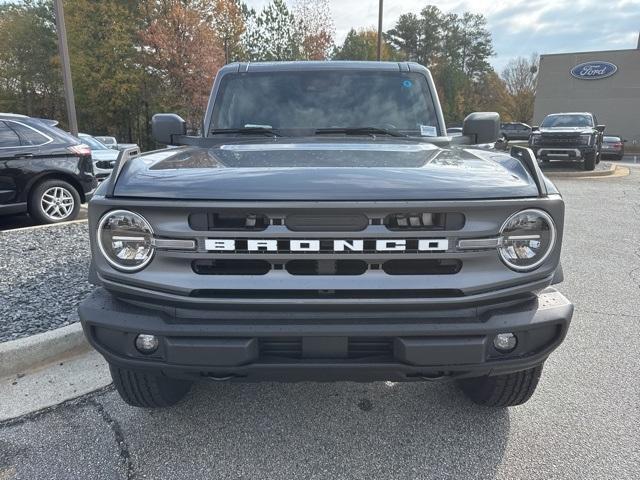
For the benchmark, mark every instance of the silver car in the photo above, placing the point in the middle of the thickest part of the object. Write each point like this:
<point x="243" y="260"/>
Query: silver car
<point x="104" y="158"/>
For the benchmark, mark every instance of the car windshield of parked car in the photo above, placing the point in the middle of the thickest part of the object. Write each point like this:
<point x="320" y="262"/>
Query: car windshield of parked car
<point x="93" y="143"/>
<point x="611" y="139"/>
<point x="312" y="100"/>
<point x="556" y="121"/>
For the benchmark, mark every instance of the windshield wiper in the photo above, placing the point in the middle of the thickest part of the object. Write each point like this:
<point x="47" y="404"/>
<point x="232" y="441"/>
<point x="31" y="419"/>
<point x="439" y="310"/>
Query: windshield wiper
<point x="246" y="131"/>
<point x="360" y="131"/>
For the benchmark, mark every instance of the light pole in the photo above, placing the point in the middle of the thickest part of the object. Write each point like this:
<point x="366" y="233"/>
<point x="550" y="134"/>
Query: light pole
<point x="380" y="30"/>
<point x="66" y="67"/>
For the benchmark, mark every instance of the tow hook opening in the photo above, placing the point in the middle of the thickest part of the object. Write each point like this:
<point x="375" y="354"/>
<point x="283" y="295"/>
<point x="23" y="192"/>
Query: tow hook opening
<point x="432" y="376"/>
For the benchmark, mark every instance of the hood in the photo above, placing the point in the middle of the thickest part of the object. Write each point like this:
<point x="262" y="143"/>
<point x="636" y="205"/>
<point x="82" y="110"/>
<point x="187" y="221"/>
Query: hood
<point x="284" y="169"/>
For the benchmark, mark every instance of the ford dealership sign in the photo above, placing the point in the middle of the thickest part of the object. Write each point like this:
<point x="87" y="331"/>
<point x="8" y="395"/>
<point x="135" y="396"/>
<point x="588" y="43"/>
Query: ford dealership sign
<point x="594" y="70"/>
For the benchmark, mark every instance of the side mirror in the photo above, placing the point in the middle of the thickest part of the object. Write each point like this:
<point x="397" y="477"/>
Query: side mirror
<point x="601" y="128"/>
<point x="535" y="128"/>
<point x="482" y="127"/>
<point x="164" y="126"/>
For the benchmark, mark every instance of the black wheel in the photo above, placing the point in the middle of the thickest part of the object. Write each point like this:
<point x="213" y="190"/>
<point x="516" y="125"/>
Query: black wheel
<point x="142" y="389"/>
<point x="590" y="161"/>
<point x="54" y="201"/>
<point x="502" y="390"/>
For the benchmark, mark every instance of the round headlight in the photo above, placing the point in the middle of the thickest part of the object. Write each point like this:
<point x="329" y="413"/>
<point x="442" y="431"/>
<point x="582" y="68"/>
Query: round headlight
<point x="125" y="240"/>
<point x="527" y="239"/>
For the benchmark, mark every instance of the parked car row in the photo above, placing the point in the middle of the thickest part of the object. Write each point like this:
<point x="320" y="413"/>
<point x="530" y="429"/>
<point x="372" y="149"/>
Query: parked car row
<point x="47" y="172"/>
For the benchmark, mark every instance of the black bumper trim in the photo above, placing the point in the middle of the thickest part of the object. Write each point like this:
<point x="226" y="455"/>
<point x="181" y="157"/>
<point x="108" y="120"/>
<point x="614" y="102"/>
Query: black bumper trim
<point x="421" y="348"/>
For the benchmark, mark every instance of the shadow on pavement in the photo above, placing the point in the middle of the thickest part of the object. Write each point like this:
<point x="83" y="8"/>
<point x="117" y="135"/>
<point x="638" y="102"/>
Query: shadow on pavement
<point x="344" y="430"/>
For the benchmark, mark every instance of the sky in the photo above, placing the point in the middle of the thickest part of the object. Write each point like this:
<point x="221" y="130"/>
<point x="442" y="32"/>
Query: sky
<point x="518" y="27"/>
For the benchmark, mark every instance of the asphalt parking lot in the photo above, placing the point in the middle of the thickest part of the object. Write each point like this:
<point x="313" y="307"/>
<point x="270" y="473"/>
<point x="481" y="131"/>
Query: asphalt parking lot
<point x="583" y="422"/>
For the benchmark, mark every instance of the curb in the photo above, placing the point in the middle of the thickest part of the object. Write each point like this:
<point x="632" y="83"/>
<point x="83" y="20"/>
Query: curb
<point x="17" y="356"/>
<point x="583" y="174"/>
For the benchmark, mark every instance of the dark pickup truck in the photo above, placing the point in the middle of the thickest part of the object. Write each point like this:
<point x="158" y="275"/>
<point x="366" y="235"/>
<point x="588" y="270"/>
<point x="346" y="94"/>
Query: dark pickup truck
<point x="569" y="136"/>
<point x="324" y="227"/>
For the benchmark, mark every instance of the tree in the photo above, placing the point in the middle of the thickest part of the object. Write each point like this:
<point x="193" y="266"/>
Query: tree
<point x="362" y="45"/>
<point x="316" y="30"/>
<point x="406" y="37"/>
<point x="228" y="22"/>
<point x="272" y="34"/>
<point x="521" y="79"/>
<point x="30" y="79"/>
<point x="184" y="53"/>
<point x="105" y="66"/>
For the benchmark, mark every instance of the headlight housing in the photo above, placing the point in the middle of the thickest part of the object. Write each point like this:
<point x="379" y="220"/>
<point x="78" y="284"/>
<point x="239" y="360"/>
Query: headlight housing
<point x="126" y="240"/>
<point x="586" y="139"/>
<point x="527" y="238"/>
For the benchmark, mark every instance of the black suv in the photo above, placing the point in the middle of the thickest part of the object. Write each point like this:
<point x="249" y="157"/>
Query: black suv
<point x="43" y="170"/>
<point x="568" y="136"/>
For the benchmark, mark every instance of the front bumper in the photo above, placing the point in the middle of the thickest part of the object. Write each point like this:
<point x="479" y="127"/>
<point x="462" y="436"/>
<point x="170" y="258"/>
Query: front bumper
<point x="572" y="153"/>
<point x="356" y="346"/>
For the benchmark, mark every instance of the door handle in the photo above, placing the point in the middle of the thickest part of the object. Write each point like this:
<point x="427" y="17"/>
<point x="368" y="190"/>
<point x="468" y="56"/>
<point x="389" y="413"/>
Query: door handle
<point x="23" y="155"/>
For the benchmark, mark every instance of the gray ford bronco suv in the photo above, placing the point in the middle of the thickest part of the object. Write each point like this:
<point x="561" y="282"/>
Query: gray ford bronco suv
<point x="323" y="227"/>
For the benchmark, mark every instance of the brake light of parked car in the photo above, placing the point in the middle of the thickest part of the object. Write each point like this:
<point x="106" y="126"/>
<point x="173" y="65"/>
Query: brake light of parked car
<point x="80" y="150"/>
<point x="617" y="145"/>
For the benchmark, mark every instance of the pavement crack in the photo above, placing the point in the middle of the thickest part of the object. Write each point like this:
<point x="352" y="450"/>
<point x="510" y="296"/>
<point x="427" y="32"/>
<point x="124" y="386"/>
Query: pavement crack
<point x="118" y="434"/>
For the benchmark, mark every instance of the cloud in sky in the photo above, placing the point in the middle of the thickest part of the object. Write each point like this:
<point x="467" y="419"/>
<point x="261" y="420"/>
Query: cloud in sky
<point x="519" y="27"/>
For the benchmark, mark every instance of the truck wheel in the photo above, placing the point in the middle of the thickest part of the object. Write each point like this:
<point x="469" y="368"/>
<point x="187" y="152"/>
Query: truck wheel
<point x="590" y="161"/>
<point x="141" y="389"/>
<point x="502" y="390"/>
<point x="54" y="201"/>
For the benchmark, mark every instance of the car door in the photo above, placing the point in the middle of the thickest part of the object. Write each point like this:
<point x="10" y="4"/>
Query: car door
<point x="20" y="147"/>
<point x="9" y="141"/>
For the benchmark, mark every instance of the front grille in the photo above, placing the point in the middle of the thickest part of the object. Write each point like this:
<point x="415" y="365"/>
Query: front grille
<point x="559" y="141"/>
<point x="357" y="347"/>
<point x="326" y="267"/>
<point x="105" y="164"/>
<point x="212" y="221"/>
<point x="326" y="222"/>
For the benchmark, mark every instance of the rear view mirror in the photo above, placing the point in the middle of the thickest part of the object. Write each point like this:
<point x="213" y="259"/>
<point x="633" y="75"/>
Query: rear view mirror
<point x="164" y="126"/>
<point x="535" y="128"/>
<point x="482" y="127"/>
<point x="601" y="128"/>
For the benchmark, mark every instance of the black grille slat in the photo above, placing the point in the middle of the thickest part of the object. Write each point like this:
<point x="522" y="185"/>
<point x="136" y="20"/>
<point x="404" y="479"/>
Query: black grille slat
<point x="358" y="347"/>
<point x="327" y="294"/>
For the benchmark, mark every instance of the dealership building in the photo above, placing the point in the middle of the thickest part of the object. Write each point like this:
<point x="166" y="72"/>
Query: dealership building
<point x="606" y="83"/>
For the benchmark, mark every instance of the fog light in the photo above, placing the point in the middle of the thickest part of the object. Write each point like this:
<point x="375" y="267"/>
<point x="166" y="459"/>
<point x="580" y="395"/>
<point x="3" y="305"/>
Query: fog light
<point x="146" y="343"/>
<point x="505" y="342"/>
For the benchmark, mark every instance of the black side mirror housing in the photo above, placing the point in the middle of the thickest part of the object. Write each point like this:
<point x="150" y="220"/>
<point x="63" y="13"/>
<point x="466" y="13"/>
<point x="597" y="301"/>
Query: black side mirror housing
<point x="482" y="127"/>
<point x="535" y="128"/>
<point x="601" y="128"/>
<point x="164" y="126"/>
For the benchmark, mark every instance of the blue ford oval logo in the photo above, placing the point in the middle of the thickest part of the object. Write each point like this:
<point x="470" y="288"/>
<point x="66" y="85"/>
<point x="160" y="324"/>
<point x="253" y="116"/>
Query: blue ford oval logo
<point x="593" y="70"/>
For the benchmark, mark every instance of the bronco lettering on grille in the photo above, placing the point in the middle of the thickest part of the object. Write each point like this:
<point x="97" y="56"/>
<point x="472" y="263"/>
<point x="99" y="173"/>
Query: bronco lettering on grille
<point x="316" y="245"/>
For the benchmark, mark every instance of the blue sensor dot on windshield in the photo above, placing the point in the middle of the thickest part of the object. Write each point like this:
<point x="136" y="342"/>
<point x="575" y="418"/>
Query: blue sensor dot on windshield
<point x="407" y="84"/>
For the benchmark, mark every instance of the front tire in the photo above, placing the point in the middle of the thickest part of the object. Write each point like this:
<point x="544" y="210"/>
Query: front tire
<point x="506" y="390"/>
<point x="54" y="201"/>
<point x="146" y="390"/>
<point x="590" y="162"/>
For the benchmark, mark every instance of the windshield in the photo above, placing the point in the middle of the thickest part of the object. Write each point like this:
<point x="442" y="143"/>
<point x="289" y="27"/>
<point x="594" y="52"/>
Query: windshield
<point x="555" y="121"/>
<point x="611" y="139"/>
<point x="92" y="142"/>
<point x="312" y="100"/>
